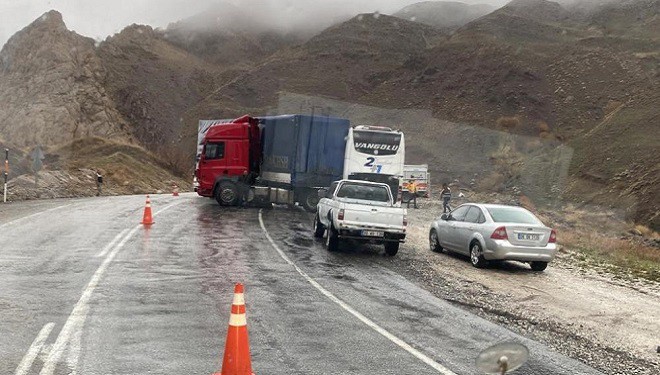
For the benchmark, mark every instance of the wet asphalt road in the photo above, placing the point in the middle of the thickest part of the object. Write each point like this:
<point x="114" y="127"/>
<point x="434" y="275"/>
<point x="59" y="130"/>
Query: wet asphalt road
<point x="85" y="289"/>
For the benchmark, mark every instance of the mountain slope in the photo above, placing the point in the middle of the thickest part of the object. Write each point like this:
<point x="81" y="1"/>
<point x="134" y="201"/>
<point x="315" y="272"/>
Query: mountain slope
<point x="153" y="83"/>
<point x="52" y="87"/>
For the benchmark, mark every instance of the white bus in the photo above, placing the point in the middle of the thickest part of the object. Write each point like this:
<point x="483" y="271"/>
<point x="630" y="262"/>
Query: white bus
<point x="375" y="153"/>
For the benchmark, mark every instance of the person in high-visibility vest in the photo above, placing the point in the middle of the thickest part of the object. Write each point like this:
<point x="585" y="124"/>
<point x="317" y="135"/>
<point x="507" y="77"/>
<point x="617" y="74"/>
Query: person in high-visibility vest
<point x="412" y="189"/>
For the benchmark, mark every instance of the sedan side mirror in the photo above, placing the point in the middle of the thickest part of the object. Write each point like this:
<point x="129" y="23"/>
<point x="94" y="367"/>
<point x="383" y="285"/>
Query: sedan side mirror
<point x="323" y="193"/>
<point x="446" y="217"/>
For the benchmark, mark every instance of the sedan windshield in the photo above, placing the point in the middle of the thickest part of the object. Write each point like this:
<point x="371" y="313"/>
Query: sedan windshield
<point x="364" y="192"/>
<point x="512" y="215"/>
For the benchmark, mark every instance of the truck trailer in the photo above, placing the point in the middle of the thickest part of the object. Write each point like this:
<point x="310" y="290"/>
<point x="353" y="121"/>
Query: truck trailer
<point x="273" y="159"/>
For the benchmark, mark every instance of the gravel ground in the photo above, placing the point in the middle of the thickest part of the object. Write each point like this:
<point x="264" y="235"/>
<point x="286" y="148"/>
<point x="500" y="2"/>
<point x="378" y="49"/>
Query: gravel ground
<point x="604" y="321"/>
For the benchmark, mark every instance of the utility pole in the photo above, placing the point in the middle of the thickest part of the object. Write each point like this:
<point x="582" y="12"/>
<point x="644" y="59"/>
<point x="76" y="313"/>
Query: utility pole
<point x="6" y="173"/>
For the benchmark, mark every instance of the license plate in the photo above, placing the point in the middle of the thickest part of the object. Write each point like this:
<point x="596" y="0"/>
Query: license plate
<point x="372" y="233"/>
<point x="530" y="237"/>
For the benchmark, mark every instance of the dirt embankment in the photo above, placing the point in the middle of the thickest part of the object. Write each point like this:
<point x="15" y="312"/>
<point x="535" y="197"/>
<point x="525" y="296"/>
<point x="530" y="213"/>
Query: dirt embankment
<point x="608" y="320"/>
<point x="70" y="171"/>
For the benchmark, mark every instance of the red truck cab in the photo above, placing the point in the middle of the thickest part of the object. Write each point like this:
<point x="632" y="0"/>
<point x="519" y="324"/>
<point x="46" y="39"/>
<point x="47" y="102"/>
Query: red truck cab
<point x="231" y="153"/>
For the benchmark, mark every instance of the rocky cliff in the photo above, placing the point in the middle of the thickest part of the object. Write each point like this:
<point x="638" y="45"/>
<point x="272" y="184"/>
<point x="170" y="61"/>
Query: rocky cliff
<point x="52" y="87"/>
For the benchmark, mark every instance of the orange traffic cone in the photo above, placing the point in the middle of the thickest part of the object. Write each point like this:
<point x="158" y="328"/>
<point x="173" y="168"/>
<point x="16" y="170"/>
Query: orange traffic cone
<point x="175" y="190"/>
<point x="237" y="348"/>
<point x="147" y="219"/>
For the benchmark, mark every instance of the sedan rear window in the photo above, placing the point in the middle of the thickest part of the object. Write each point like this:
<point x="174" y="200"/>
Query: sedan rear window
<point x="512" y="215"/>
<point x="364" y="192"/>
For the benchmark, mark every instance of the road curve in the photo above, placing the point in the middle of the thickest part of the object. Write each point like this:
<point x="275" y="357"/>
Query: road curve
<point x="87" y="290"/>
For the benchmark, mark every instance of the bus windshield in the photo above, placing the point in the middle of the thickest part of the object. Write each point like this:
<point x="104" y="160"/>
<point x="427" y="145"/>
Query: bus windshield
<point x="376" y="143"/>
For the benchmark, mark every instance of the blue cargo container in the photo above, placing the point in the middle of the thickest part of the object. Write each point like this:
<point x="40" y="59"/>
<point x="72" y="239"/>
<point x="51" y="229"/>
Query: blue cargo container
<point x="302" y="152"/>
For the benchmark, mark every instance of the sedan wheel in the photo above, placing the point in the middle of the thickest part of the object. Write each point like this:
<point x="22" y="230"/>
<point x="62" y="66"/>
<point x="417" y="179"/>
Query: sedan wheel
<point x="476" y="255"/>
<point x="434" y="242"/>
<point x="539" y="266"/>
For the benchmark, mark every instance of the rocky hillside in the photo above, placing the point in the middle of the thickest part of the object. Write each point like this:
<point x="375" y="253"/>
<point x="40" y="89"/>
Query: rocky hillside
<point x="447" y="15"/>
<point x="58" y="90"/>
<point x="152" y="84"/>
<point x="52" y="87"/>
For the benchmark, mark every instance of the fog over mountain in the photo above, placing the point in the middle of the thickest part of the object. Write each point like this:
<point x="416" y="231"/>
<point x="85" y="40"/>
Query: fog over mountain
<point x="100" y="18"/>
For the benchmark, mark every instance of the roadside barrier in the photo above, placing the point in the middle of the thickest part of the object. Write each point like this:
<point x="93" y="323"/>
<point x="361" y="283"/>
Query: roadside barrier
<point x="237" y="360"/>
<point x="147" y="219"/>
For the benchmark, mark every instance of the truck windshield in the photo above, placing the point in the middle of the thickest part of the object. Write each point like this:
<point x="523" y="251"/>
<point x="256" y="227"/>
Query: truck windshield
<point x="364" y="192"/>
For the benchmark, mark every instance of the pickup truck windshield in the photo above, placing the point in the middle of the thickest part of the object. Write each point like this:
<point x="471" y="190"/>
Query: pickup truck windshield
<point x="364" y="192"/>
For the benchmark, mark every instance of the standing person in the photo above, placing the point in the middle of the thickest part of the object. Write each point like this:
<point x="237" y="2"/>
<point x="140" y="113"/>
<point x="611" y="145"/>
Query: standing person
<point x="412" y="189"/>
<point x="99" y="182"/>
<point x="446" y="197"/>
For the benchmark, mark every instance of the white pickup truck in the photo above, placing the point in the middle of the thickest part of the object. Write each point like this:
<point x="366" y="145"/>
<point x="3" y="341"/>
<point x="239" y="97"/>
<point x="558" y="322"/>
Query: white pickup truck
<point x="362" y="211"/>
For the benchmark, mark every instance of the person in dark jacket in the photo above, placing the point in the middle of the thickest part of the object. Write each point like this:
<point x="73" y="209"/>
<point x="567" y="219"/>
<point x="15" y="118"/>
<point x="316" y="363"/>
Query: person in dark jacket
<point x="446" y="197"/>
<point x="99" y="183"/>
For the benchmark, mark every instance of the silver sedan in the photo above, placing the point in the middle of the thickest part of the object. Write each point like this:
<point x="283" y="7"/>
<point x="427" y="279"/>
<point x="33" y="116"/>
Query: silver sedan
<point x="494" y="232"/>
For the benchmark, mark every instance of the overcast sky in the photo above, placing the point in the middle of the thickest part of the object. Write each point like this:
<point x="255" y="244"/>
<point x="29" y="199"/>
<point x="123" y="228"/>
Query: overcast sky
<point x="100" y="18"/>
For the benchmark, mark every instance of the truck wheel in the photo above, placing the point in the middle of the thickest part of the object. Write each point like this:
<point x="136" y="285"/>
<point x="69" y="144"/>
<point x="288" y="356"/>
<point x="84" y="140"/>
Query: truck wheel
<point x="310" y="200"/>
<point x="332" y="239"/>
<point x="391" y="248"/>
<point x="226" y="193"/>
<point x="319" y="229"/>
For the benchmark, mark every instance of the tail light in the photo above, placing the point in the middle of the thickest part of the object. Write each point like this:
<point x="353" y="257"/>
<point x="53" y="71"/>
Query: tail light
<point x="341" y="215"/>
<point x="405" y="220"/>
<point x="553" y="236"/>
<point x="499" y="234"/>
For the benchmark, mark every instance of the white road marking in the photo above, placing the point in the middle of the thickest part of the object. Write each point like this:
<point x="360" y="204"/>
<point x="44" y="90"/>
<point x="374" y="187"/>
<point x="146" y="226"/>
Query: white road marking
<point x="111" y="244"/>
<point x="34" y="350"/>
<point x="370" y="323"/>
<point x="77" y="318"/>
<point x="33" y="215"/>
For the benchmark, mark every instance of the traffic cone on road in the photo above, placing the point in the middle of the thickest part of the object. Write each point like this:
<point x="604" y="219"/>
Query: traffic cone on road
<point x="237" y="348"/>
<point x="146" y="218"/>
<point x="175" y="190"/>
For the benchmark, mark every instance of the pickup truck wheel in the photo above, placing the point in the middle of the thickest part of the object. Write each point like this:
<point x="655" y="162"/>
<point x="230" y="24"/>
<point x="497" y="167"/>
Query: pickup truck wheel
<point x="332" y="240"/>
<point x="226" y="193"/>
<point x="391" y="248"/>
<point x="539" y="266"/>
<point x="434" y="242"/>
<point x="319" y="229"/>
<point x="477" y="255"/>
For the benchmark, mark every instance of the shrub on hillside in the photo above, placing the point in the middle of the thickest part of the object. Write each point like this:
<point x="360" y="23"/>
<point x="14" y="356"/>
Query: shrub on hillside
<point x="508" y="123"/>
